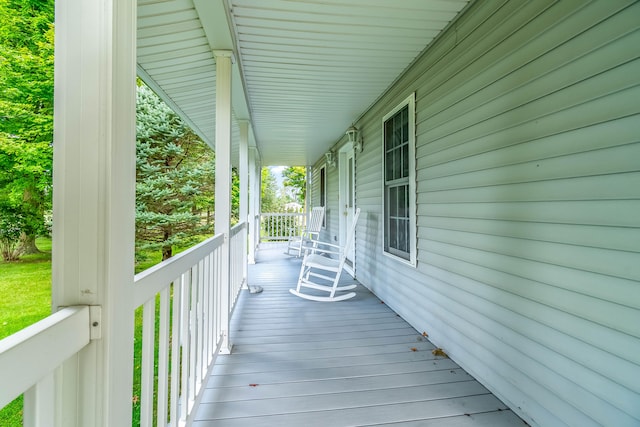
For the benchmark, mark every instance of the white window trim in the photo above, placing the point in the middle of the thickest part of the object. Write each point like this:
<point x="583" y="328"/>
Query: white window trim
<point x="413" y="242"/>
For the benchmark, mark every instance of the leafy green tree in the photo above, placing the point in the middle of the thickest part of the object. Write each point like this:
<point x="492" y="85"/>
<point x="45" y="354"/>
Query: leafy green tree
<point x="26" y="114"/>
<point x="235" y="197"/>
<point x="175" y="178"/>
<point x="269" y="198"/>
<point x="11" y="224"/>
<point x="295" y="178"/>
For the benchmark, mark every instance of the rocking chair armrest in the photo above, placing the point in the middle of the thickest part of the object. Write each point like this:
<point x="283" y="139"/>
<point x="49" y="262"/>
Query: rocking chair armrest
<point x="331" y="245"/>
<point x="316" y="246"/>
<point x="304" y="235"/>
<point x="323" y="251"/>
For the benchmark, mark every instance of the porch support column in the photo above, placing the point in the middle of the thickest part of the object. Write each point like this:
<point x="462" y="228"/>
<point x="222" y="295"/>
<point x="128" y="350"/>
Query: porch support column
<point x="307" y="197"/>
<point x="94" y="204"/>
<point x="258" y="200"/>
<point x="254" y="200"/>
<point x="223" y="181"/>
<point x="243" y="170"/>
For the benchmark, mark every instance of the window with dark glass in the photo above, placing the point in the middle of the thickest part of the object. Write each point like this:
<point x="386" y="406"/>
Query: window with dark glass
<point x="397" y="144"/>
<point x="323" y="191"/>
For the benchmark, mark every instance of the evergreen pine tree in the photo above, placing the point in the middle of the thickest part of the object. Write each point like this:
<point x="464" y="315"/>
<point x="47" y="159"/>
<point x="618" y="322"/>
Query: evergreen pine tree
<point x="175" y="178"/>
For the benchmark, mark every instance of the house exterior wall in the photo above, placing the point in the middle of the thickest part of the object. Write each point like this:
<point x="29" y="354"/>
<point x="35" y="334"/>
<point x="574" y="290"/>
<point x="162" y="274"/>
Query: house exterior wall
<point x="528" y="202"/>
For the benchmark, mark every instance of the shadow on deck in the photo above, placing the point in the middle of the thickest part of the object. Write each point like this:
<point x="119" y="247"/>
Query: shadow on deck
<point x="303" y="363"/>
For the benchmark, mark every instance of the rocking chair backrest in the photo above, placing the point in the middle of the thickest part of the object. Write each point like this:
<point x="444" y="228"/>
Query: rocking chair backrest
<point x="318" y="268"/>
<point x="315" y="219"/>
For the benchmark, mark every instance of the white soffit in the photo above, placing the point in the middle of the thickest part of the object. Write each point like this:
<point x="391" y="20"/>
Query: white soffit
<point x="310" y="67"/>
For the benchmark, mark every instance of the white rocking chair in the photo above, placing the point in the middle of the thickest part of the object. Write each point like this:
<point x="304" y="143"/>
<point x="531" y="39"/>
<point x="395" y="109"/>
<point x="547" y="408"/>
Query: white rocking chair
<point x="310" y="233"/>
<point x="320" y="272"/>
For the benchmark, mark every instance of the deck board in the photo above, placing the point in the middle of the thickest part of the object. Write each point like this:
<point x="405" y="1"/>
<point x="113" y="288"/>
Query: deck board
<point x="297" y="362"/>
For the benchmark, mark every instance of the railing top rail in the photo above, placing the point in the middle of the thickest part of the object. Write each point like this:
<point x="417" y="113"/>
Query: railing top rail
<point x="264" y="214"/>
<point x="58" y="336"/>
<point x="151" y="281"/>
<point x="238" y="228"/>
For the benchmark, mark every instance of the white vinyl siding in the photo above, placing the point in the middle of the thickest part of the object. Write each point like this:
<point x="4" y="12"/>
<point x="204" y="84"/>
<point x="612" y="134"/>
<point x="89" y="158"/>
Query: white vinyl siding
<point x="528" y="206"/>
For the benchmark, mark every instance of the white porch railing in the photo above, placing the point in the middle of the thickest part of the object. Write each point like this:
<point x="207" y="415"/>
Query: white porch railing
<point x="23" y="369"/>
<point x="190" y="290"/>
<point x="280" y="226"/>
<point x="184" y="305"/>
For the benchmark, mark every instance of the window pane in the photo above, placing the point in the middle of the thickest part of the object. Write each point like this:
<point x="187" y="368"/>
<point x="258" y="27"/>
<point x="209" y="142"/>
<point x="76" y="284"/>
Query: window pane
<point x="323" y="187"/>
<point x="350" y="182"/>
<point x="393" y="233"/>
<point x="404" y="246"/>
<point x="401" y="201"/>
<point x="405" y="161"/>
<point x="405" y="124"/>
<point x="397" y="163"/>
<point x="393" y="202"/>
<point x="388" y="133"/>
<point x="401" y="236"/>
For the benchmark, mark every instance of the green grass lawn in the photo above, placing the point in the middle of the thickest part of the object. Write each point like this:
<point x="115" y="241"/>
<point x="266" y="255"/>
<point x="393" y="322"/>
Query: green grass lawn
<point x="25" y="298"/>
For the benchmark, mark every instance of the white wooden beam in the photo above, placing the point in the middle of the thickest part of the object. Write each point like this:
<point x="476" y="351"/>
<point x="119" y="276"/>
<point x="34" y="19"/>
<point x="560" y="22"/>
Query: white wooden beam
<point x="223" y="178"/>
<point x="94" y="202"/>
<point x="243" y="171"/>
<point x="254" y="202"/>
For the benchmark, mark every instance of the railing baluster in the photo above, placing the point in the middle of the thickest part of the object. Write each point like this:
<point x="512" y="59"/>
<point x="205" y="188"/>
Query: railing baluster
<point x="206" y="313"/>
<point x="279" y="226"/>
<point x="39" y="402"/>
<point x="184" y="342"/>
<point x="176" y="338"/>
<point x="148" y="337"/>
<point x="163" y="357"/>
<point x="211" y="303"/>
<point x="201" y="360"/>
<point x="193" y="335"/>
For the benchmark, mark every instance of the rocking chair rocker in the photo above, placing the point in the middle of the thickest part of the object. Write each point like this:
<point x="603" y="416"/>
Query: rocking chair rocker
<point x="310" y="233"/>
<point x="320" y="272"/>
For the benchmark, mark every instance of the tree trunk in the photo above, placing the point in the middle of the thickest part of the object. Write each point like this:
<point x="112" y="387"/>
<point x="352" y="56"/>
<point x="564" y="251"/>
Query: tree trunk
<point x="28" y="245"/>
<point x="166" y="252"/>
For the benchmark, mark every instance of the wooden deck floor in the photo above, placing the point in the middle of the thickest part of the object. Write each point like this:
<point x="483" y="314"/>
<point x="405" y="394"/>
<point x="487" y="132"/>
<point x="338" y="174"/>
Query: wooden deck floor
<point x="352" y="363"/>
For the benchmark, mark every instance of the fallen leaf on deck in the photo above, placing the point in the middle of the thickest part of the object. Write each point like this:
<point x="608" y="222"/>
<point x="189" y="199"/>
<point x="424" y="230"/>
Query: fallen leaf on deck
<point x="414" y="349"/>
<point x="439" y="352"/>
<point x="253" y="385"/>
<point x="424" y="334"/>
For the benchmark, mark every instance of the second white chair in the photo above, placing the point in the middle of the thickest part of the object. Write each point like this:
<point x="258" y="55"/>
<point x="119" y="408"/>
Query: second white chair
<point x="310" y="232"/>
<point x="320" y="272"/>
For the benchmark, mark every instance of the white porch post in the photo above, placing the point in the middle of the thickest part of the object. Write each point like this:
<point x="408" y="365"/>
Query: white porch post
<point x="243" y="170"/>
<point x="254" y="200"/>
<point x="223" y="179"/>
<point x="94" y="204"/>
<point x="307" y="198"/>
<point x="258" y="199"/>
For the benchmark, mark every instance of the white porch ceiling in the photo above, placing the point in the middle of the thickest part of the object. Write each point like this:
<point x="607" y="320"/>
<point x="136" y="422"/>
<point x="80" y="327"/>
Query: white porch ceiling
<point x="305" y="70"/>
